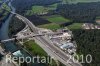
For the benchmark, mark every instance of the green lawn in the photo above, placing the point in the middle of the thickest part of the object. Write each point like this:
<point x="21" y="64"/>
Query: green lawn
<point x="34" y="48"/>
<point x="51" y="26"/>
<point x="56" y="19"/>
<point x="75" y="26"/>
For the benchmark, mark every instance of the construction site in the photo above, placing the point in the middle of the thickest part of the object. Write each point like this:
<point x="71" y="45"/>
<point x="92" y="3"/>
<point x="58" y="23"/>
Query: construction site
<point x="62" y="38"/>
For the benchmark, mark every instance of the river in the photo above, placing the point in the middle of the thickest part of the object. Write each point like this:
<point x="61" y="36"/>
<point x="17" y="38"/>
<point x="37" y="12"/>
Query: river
<point x="4" y="32"/>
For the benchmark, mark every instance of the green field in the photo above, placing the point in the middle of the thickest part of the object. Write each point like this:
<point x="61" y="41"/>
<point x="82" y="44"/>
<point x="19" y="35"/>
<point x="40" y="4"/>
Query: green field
<point x="36" y="10"/>
<point x="34" y="48"/>
<point x="51" y="26"/>
<point x="56" y="19"/>
<point x="39" y="9"/>
<point x="98" y="17"/>
<point x="75" y="26"/>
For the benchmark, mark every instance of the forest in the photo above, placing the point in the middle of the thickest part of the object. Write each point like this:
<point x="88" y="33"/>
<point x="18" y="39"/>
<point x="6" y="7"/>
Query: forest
<point x="88" y="42"/>
<point x="81" y="12"/>
<point x="37" y="20"/>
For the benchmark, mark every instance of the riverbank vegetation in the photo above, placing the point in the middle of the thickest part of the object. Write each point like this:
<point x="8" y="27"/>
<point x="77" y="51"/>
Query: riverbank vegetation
<point x="15" y="26"/>
<point x="3" y="13"/>
<point x="88" y="42"/>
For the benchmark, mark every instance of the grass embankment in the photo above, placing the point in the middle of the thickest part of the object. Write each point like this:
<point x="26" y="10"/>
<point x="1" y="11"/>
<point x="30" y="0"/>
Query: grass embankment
<point x="51" y="26"/>
<point x="75" y="26"/>
<point x="36" y="50"/>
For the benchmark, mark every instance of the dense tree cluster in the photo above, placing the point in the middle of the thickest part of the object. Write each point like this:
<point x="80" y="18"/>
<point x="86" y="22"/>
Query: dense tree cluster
<point x="37" y="20"/>
<point x="88" y="42"/>
<point x="81" y="12"/>
<point x="15" y="26"/>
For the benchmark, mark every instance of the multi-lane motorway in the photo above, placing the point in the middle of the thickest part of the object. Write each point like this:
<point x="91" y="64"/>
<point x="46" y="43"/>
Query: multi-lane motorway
<point x="51" y="49"/>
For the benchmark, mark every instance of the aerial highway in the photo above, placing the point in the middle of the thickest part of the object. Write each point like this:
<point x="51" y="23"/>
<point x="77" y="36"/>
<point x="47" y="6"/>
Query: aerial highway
<point x="51" y="49"/>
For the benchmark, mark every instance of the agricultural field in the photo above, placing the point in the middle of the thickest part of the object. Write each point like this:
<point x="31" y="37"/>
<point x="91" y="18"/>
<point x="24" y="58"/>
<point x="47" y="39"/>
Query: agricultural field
<point x="56" y="19"/>
<point x="75" y="26"/>
<point x="52" y="26"/>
